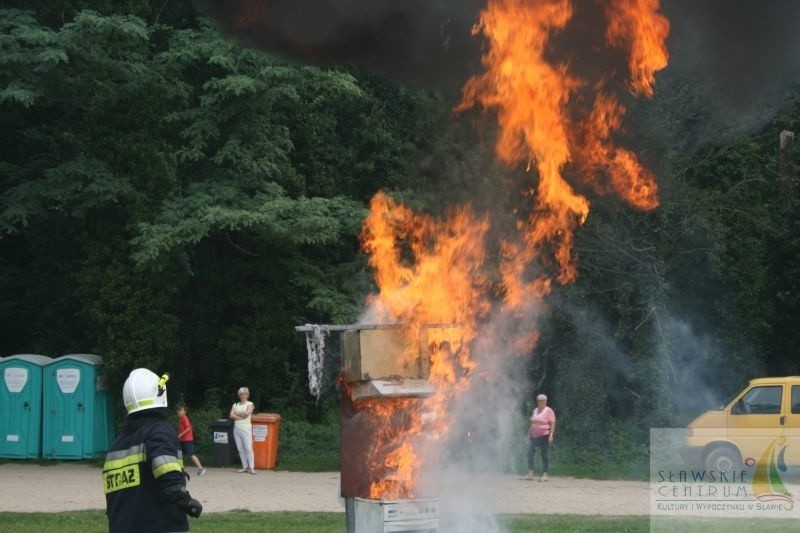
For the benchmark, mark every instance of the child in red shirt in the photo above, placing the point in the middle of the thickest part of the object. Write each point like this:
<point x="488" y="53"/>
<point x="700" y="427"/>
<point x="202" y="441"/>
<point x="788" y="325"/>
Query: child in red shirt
<point x="186" y="438"/>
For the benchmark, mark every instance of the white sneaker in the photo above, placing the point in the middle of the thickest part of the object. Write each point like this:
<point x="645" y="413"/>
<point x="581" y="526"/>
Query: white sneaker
<point x="201" y="472"/>
<point x="242" y="471"/>
<point x="253" y="471"/>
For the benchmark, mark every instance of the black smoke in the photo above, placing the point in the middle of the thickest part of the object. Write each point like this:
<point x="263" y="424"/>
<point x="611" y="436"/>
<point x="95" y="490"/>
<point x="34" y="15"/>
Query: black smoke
<point x="745" y="49"/>
<point x="419" y="42"/>
<point x="740" y="51"/>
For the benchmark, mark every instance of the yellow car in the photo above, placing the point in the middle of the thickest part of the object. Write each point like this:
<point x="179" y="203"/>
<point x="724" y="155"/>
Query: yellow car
<point x="726" y="440"/>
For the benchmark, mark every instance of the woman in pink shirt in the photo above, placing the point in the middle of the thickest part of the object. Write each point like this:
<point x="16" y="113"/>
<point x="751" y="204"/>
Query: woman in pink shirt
<point x="542" y="430"/>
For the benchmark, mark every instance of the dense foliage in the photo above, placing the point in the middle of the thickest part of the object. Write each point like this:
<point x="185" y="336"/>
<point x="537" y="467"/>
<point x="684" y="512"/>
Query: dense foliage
<point x="171" y="199"/>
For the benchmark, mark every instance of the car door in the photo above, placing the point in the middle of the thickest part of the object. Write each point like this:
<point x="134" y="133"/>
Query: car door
<point x="754" y="419"/>
<point x="791" y="425"/>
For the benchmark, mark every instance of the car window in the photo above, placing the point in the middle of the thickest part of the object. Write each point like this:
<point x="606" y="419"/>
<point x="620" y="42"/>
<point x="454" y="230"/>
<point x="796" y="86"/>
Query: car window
<point x="759" y="401"/>
<point x="795" y="399"/>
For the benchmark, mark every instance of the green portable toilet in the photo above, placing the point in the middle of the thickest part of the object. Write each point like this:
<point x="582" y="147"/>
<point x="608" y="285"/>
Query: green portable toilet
<point x="21" y="405"/>
<point x="78" y="415"/>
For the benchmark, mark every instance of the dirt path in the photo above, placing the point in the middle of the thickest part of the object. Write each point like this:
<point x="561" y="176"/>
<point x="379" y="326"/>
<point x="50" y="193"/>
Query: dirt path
<point x="26" y="487"/>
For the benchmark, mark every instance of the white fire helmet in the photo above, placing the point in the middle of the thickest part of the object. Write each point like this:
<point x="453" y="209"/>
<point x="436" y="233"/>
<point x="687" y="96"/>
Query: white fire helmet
<point x="144" y="390"/>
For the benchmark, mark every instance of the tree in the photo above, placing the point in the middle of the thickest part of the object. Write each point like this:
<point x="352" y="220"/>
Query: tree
<point x="207" y="197"/>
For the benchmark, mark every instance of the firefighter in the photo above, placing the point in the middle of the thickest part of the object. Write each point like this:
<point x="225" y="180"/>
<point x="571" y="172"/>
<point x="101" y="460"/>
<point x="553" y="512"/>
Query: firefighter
<point x="143" y="476"/>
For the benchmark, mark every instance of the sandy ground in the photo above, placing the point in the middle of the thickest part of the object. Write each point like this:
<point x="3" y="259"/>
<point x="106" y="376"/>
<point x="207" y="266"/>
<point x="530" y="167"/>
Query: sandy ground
<point x="26" y="487"/>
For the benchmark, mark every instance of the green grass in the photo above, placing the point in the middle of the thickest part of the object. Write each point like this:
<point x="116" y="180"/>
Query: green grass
<point x="95" y="521"/>
<point x="285" y="522"/>
<point x="722" y="525"/>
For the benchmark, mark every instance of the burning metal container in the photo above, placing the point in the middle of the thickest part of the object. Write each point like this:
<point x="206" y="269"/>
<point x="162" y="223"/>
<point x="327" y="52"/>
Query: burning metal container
<point x="387" y="516"/>
<point x="382" y="362"/>
<point x="384" y="384"/>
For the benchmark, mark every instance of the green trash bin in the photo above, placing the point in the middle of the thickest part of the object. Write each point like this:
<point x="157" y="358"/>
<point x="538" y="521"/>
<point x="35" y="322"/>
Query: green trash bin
<point x="78" y="415"/>
<point x="21" y="406"/>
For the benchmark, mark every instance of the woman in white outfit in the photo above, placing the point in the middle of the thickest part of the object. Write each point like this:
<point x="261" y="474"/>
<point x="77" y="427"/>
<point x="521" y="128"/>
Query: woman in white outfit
<point x="243" y="430"/>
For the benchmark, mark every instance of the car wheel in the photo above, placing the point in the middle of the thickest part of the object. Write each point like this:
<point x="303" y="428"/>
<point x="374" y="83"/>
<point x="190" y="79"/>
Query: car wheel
<point x="723" y="460"/>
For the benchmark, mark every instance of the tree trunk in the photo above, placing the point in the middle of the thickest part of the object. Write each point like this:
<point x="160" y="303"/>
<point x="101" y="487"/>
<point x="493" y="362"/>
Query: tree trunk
<point x="787" y="185"/>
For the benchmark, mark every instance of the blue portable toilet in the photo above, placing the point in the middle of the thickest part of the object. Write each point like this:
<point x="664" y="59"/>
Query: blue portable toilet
<point x="21" y="405"/>
<point x="78" y="414"/>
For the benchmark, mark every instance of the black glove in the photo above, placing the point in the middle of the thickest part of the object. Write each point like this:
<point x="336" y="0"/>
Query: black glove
<point x="180" y="497"/>
<point x="193" y="508"/>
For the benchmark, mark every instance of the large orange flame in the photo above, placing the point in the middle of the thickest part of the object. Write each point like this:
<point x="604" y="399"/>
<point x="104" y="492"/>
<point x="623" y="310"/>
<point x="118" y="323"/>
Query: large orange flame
<point x="432" y="270"/>
<point x="392" y="460"/>
<point x="427" y="270"/>
<point x="531" y="96"/>
<point x="627" y="177"/>
<point x="637" y="26"/>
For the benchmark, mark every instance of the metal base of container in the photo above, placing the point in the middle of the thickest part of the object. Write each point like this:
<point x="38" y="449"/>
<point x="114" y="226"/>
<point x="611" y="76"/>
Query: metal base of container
<point x="392" y="516"/>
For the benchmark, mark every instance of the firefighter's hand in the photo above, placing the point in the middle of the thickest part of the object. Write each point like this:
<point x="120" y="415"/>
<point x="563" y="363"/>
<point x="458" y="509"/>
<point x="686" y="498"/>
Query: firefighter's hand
<point x="180" y="497"/>
<point x="193" y="508"/>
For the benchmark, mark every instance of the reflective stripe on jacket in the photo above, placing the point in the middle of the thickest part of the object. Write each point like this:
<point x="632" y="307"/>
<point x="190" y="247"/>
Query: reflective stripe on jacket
<point x="141" y="462"/>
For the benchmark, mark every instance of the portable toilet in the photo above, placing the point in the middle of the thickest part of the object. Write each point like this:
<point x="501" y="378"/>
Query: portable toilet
<point x="21" y="405"/>
<point x="78" y="414"/>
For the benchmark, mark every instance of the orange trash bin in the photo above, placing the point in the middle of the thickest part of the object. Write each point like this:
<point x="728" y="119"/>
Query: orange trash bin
<point x="266" y="428"/>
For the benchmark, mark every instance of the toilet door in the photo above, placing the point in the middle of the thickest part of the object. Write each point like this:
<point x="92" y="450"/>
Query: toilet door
<point x="19" y="410"/>
<point x="66" y="409"/>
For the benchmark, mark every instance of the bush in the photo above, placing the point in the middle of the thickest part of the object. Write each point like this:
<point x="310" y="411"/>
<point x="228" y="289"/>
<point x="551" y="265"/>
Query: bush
<point x="301" y="438"/>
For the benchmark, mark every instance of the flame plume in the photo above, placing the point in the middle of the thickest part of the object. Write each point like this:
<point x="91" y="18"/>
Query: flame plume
<point x="427" y="270"/>
<point x="531" y="96"/>
<point x="559" y="124"/>
<point x="637" y="26"/>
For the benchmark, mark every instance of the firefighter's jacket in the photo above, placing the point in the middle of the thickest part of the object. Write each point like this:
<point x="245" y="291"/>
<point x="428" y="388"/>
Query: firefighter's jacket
<point x="144" y="461"/>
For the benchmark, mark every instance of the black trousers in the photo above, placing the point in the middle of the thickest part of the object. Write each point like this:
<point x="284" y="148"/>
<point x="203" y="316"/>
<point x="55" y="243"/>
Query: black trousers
<point x="542" y="443"/>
